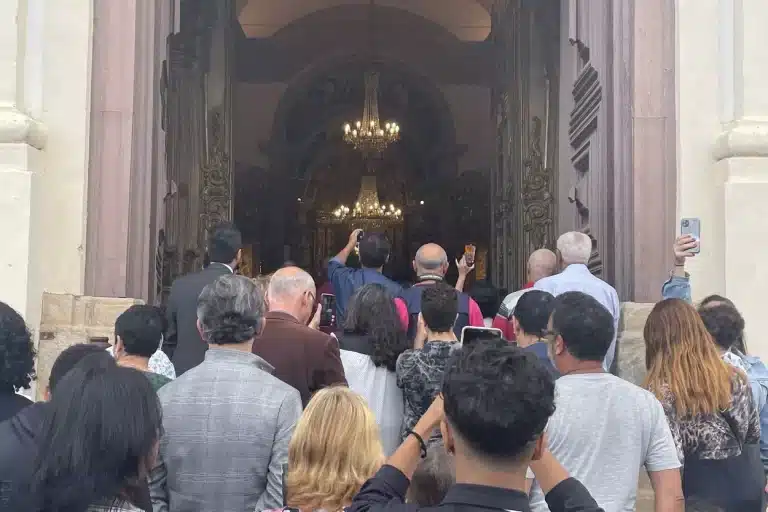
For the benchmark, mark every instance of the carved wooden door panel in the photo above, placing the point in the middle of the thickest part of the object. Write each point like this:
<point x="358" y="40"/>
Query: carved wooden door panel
<point x="589" y="139"/>
<point x="526" y="35"/>
<point x="216" y="178"/>
<point x="196" y="121"/>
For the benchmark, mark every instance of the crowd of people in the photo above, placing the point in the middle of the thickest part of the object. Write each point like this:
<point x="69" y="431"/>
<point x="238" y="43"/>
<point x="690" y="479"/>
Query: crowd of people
<point x="234" y="399"/>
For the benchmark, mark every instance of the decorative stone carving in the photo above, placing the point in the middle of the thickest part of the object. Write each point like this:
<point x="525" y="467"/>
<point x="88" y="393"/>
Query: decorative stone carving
<point x="595" y="264"/>
<point x="587" y="97"/>
<point x="215" y="180"/>
<point x="538" y="204"/>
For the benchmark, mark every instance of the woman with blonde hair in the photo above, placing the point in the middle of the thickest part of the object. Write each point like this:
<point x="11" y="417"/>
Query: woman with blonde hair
<point x="709" y="408"/>
<point x="334" y="450"/>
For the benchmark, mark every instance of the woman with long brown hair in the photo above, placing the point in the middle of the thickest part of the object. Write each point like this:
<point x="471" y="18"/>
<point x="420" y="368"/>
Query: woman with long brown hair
<point x="709" y="408"/>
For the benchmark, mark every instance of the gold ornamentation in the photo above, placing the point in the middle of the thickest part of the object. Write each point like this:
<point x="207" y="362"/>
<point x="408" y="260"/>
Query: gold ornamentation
<point x="215" y="182"/>
<point x="538" y="204"/>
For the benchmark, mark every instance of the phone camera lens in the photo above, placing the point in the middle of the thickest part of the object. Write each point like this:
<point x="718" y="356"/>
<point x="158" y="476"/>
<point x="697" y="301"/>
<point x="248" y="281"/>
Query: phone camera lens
<point x="685" y="223"/>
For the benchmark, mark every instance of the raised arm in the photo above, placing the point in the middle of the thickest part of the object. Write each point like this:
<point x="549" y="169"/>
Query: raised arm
<point x="678" y="286"/>
<point x="385" y="492"/>
<point x="464" y="271"/>
<point x="343" y="255"/>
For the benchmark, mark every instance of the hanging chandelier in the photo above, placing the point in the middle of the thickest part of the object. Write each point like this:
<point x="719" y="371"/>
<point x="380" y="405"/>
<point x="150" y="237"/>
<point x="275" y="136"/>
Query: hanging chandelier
<point x="367" y="208"/>
<point x="367" y="134"/>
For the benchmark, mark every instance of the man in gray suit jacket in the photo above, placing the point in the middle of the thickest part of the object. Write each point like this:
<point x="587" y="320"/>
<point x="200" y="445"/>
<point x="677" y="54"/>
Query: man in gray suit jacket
<point x="227" y="421"/>
<point x="182" y="342"/>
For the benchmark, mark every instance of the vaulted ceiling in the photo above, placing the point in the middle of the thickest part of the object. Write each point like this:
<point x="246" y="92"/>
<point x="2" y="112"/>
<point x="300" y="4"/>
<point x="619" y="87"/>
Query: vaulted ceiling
<point x="467" y="20"/>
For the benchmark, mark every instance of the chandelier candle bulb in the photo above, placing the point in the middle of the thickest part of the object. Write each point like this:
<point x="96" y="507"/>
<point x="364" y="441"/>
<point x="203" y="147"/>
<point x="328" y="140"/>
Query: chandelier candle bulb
<point x="370" y="137"/>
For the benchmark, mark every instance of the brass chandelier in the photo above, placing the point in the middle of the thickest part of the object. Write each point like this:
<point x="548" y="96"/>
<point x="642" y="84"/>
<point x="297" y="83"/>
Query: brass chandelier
<point x="367" y="208"/>
<point x="367" y="135"/>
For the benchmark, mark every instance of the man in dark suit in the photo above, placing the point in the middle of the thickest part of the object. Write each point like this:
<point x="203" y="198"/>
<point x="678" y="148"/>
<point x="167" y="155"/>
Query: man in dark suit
<point x="183" y="343"/>
<point x="303" y="357"/>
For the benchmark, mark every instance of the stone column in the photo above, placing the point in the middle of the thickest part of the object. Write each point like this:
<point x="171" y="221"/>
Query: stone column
<point x="741" y="153"/>
<point x="22" y="138"/>
<point x="109" y="174"/>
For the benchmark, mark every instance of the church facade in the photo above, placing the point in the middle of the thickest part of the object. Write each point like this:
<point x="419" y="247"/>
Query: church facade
<point x="128" y="128"/>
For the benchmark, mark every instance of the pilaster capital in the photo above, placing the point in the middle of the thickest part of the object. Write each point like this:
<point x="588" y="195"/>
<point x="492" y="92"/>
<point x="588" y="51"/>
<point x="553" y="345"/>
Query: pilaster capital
<point x="746" y="137"/>
<point x="16" y="127"/>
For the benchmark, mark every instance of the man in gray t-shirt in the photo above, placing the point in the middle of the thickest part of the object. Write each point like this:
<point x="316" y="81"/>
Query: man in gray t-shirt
<point x="604" y="429"/>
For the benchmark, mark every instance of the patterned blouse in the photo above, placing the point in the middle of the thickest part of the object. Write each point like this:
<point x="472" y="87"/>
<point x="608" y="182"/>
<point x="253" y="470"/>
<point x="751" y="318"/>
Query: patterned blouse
<point x="158" y="363"/>
<point x="420" y="376"/>
<point x="120" y="507"/>
<point x="715" y="436"/>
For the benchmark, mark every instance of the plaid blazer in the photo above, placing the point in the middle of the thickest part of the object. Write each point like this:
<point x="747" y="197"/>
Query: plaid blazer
<point x="227" y="426"/>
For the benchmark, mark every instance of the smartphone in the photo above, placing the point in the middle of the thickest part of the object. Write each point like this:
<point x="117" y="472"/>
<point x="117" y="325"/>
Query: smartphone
<point x="692" y="227"/>
<point x="327" y="309"/>
<point x="470" y="335"/>
<point x="469" y="254"/>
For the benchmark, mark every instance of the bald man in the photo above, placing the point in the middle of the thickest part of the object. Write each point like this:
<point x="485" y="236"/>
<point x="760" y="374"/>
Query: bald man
<point x="541" y="263"/>
<point x="304" y="358"/>
<point x="431" y="265"/>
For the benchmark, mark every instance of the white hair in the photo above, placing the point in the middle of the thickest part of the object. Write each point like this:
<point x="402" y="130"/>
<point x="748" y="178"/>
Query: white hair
<point x="575" y="248"/>
<point x="287" y="286"/>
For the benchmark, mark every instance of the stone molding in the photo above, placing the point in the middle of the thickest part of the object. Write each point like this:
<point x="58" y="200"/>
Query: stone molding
<point x="631" y="343"/>
<point x="17" y="127"/>
<point x="747" y="137"/>
<point x="67" y="320"/>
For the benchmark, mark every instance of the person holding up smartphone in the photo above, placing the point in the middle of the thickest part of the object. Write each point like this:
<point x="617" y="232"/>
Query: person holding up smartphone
<point x="678" y="285"/>
<point x="373" y="249"/>
<point x="431" y="265"/>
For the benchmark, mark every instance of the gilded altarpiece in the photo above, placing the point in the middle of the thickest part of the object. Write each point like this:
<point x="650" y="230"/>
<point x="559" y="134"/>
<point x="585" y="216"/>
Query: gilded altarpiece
<point x="525" y="37"/>
<point x="196" y="100"/>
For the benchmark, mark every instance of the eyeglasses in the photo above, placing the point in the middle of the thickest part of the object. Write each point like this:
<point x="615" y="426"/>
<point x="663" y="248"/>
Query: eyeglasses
<point x="550" y="335"/>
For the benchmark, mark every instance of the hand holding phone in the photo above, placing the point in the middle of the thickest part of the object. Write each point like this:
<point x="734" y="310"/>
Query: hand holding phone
<point x="327" y="310"/>
<point x="690" y="227"/>
<point x="471" y="335"/>
<point x="469" y="254"/>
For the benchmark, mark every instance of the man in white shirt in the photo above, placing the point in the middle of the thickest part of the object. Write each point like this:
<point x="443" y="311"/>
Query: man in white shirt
<point x="604" y="429"/>
<point x="573" y="251"/>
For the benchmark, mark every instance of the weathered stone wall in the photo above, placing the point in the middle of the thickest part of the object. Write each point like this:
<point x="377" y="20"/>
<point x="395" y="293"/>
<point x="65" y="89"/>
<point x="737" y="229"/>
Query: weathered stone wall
<point x="69" y="319"/>
<point x="631" y="351"/>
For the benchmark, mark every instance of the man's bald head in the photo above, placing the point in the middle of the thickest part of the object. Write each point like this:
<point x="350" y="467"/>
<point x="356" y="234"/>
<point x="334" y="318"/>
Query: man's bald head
<point x="430" y="259"/>
<point x="292" y="291"/>
<point x="542" y="263"/>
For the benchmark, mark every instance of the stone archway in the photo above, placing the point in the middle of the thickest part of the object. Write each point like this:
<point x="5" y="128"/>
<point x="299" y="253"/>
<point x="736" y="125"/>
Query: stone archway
<point x="333" y="66"/>
<point x="307" y="123"/>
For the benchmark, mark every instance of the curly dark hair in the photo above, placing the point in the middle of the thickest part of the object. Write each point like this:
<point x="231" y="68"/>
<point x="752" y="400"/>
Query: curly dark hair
<point x="17" y="352"/>
<point x="371" y="312"/>
<point x="724" y="323"/>
<point x="713" y="301"/>
<point x="498" y="398"/>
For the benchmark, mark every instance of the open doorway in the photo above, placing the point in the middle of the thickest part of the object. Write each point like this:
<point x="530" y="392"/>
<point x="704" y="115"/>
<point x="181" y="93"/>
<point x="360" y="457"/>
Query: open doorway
<point x="472" y="84"/>
<point x="301" y="77"/>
